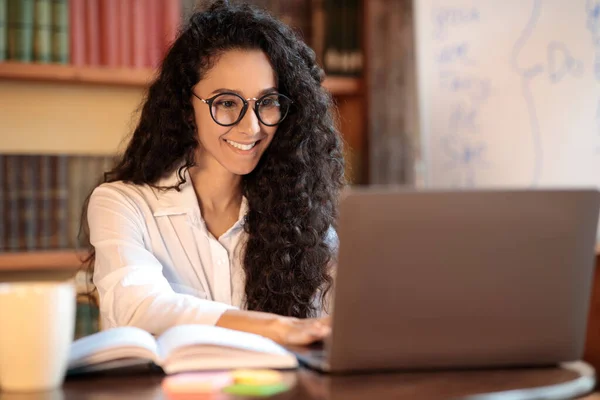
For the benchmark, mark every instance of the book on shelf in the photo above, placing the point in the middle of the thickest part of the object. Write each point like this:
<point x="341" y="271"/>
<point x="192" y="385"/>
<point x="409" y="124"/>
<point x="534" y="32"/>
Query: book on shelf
<point x="42" y="31"/>
<point x="3" y="29"/>
<point x="342" y="54"/>
<point x="20" y="30"/>
<point x="77" y="37"/>
<point x="138" y="36"/>
<point x="109" y="28"/>
<point x="92" y="32"/>
<point x="181" y="348"/>
<point x="42" y="199"/>
<point x="124" y="34"/>
<point x="60" y="31"/>
<point x="137" y="33"/>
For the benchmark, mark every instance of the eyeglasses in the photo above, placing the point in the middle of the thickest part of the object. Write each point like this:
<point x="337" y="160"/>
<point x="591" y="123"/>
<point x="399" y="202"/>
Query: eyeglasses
<point x="227" y="109"/>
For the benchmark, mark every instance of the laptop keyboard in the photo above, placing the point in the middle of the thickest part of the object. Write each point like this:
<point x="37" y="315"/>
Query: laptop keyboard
<point x="318" y="354"/>
<point x="317" y="350"/>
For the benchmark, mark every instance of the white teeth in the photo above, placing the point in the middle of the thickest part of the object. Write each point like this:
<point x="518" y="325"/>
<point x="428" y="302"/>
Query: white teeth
<point x="241" y="146"/>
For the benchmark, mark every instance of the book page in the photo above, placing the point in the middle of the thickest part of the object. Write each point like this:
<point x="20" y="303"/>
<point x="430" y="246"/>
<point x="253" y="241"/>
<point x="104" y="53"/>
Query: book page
<point x="117" y="343"/>
<point x="194" y="335"/>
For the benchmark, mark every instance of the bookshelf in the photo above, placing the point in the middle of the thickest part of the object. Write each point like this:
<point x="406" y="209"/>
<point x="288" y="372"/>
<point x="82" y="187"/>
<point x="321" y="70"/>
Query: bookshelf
<point x="338" y="86"/>
<point x="102" y="102"/>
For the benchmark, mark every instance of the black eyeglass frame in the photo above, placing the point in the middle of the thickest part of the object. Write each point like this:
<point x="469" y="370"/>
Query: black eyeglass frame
<point x="257" y="102"/>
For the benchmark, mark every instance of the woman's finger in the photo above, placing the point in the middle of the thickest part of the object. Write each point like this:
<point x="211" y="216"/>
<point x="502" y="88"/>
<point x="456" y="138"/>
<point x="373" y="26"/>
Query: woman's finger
<point x="307" y="334"/>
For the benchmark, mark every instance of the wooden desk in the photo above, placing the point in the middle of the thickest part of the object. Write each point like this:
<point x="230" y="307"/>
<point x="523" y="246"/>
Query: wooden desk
<point x="308" y="385"/>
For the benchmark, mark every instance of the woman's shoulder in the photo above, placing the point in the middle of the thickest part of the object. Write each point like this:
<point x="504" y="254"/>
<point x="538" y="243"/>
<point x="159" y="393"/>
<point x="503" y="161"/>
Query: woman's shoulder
<point x="121" y="189"/>
<point x="123" y="194"/>
<point x="156" y="199"/>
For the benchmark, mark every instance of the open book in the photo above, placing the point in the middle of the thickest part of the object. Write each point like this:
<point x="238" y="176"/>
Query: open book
<point x="181" y="348"/>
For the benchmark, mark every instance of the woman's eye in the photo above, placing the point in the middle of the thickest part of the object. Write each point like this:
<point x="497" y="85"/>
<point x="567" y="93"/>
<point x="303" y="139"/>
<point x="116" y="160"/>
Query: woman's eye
<point x="226" y="104"/>
<point x="269" y="103"/>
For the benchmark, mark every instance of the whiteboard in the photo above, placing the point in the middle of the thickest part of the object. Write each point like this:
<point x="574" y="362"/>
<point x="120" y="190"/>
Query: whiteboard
<point x="509" y="92"/>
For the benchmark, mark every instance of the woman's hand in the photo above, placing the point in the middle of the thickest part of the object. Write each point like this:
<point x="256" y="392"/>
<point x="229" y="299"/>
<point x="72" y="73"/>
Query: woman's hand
<point x="294" y="331"/>
<point x="283" y="330"/>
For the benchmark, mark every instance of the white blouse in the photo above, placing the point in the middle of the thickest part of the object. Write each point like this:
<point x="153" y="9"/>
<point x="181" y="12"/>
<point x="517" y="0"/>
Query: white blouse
<point x="156" y="263"/>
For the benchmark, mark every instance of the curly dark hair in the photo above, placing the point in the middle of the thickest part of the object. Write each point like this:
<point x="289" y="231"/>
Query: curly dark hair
<point x="292" y="193"/>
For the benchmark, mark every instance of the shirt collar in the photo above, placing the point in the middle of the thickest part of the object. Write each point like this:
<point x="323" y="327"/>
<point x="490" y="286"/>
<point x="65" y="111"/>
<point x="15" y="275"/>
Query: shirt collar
<point x="172" y="201"/>
<point x="184" y="201"/>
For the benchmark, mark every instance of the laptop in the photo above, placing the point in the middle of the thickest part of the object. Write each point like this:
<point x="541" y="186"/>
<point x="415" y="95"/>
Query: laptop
<point x="460" y="279"/>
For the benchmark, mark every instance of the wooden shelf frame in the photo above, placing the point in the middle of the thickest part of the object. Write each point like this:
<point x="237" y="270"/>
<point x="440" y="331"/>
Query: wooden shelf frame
<point x="65" y="260"/>
<point x="125" y="76"/>
<point x="62" y="260"/>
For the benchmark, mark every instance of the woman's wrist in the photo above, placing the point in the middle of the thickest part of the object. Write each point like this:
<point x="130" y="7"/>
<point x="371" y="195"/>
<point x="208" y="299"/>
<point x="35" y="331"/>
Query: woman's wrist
<point x="259" y="323"/>
<point x="283" y="330"/>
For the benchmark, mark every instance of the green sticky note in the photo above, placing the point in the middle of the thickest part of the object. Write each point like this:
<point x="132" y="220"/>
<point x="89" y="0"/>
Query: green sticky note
<point x="256" y="390"/>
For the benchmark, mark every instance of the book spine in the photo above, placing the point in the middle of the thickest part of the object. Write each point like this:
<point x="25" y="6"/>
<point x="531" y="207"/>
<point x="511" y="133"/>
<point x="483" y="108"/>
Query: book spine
<point x="76" y="169"/>
<point x="356" y="58"/>
<point x="345" y="37"/>
<point x="140" y="46"/>
<point x="52" y="185"/>
<point x="20" y="30"/>
<point x="12" y="209"/>
<point x="60" y="31"/>
<point x="45" y="202"/>
<point x="125" y="40"/>
<point x="153" y="29"/>
<point x="171" y="9"/>
<point x="38" y="200"/>
<point x="42" y="22"/>
<point x="23" y="218"/>
<point x="109" y="33"/>
<point x="335" y="37"/>
<point x="11" y="38"/>
<point x="92" y="32"/>
<point x="77" y="32"/>
<point x="3" y="29"/>
<point x="85" y="183"/>
<point x="30" y="193"/>
<point x="62" y="202"/>
<point x="317" y="41"/>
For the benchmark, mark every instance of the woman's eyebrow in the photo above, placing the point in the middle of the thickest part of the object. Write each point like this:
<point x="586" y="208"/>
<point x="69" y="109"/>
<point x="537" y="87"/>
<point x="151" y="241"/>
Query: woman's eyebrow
<point x="265" y="91"/>
<point x="224" y="90"/>
<point x="239" y="92"/>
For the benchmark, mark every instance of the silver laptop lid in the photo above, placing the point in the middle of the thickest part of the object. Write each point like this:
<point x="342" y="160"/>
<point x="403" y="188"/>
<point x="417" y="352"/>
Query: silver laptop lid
<point x="460" y="279"/>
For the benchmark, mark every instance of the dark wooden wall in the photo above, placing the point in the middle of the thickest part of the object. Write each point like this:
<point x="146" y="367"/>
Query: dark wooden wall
<point x="391" y="91"/>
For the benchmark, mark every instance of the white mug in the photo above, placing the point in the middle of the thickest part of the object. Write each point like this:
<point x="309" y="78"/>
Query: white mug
<point x="37" y="324"/>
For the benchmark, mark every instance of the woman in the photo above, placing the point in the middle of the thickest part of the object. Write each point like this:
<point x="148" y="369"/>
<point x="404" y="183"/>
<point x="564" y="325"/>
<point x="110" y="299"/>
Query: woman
<point x="221" y="209"/>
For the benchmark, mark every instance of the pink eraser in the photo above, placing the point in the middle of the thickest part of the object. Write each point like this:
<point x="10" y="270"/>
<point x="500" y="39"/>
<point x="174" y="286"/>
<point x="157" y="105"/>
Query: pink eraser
<point x="197" y="382"/>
